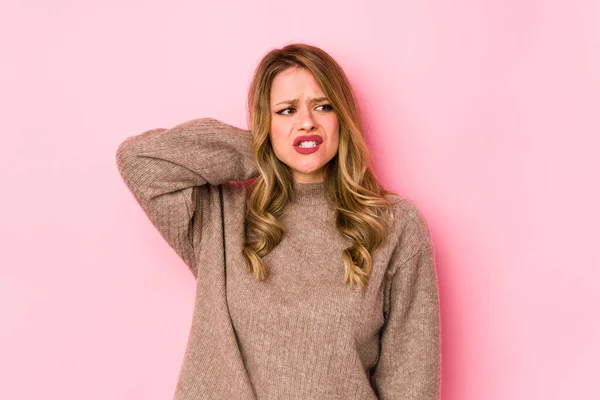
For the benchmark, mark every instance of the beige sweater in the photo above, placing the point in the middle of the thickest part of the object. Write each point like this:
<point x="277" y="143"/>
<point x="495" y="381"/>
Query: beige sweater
<point x="302" y="333"/>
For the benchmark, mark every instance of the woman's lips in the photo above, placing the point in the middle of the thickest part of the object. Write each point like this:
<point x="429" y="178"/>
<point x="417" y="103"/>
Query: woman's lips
<point x="310" y="138"/>
<point x="306" y="150"/>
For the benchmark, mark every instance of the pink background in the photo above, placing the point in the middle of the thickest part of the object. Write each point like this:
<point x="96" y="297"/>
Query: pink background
<point x="485" y="113"/>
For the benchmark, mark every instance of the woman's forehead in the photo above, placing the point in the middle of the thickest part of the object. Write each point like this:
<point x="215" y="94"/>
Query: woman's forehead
<point x="295" y="84"/>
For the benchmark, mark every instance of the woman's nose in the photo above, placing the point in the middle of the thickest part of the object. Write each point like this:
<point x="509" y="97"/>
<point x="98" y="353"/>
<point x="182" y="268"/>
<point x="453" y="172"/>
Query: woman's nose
<point x="307" y="121"/>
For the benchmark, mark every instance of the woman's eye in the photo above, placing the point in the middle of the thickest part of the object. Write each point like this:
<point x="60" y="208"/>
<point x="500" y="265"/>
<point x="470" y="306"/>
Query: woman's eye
<point x="282" y="111"/>
<point x="327" y="107"/>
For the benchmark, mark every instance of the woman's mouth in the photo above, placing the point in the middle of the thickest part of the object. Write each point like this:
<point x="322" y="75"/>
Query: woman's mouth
<point x="307" y="144"/>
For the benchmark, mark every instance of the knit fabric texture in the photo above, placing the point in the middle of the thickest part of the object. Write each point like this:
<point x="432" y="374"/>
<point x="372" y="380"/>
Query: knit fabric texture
<point x="302" y="333"/>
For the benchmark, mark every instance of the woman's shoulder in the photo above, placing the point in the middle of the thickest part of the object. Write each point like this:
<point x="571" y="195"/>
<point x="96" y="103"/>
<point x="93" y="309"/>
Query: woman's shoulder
<point x="404" y="206"/>
<point x="409" y="223"/>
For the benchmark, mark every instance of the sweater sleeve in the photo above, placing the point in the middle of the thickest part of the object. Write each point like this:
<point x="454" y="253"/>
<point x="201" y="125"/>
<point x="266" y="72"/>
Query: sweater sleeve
<point x="409" y="366"/>
<point x="168" y="171"/>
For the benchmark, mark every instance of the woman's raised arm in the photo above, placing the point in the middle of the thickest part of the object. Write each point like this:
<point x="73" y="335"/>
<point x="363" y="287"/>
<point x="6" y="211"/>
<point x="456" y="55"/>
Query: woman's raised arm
<point x="168" y="170"/>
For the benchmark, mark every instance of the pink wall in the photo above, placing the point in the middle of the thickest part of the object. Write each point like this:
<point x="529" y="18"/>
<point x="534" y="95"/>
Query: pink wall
<point x="486" y="113"/>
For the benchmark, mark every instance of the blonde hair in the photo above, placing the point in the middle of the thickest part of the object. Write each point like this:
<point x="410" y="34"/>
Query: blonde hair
<point x="348" y="179"/>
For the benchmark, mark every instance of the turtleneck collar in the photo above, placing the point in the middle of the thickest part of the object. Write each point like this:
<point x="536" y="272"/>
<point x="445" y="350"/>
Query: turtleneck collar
<point x="309" y="193"/>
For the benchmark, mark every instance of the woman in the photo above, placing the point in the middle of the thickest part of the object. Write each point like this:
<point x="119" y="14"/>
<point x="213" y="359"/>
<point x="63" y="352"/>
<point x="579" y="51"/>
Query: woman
<point x="313" y="282"/>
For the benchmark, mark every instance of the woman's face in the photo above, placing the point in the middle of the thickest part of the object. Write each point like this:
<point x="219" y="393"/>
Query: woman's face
<point x="304" y="127"/>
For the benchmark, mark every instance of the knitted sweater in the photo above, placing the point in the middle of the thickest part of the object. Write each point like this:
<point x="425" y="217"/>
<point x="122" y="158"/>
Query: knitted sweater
<point x="302" y="333"/>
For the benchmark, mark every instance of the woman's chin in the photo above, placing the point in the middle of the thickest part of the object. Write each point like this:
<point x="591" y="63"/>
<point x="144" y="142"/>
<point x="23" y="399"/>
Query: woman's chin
<point x="303" y="174"/>
<point x="308" y="167"/>
<point x="307" y="171"/>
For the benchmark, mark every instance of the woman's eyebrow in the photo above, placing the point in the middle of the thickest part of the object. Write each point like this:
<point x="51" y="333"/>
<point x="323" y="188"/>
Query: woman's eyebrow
<point x="314" y="100"/>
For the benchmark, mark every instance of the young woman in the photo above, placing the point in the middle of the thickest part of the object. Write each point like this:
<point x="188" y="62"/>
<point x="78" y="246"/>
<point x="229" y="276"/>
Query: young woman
<point x="313" y="281"/>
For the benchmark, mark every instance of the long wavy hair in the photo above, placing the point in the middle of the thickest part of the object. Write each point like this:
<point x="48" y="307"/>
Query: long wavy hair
<point x="361" y="208"/>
